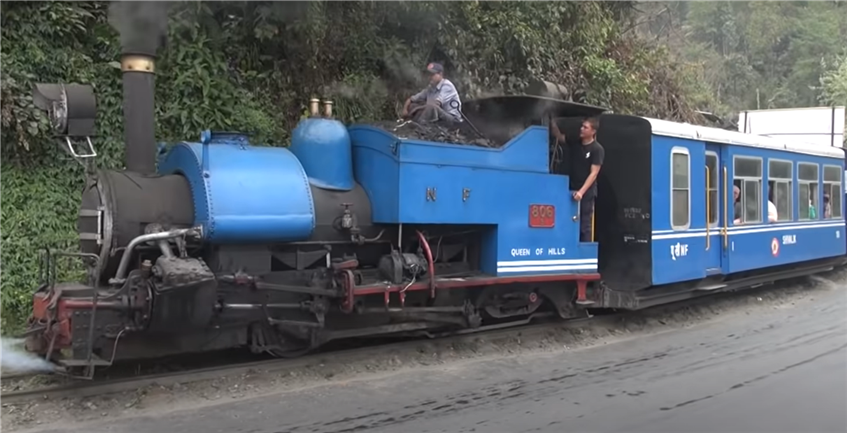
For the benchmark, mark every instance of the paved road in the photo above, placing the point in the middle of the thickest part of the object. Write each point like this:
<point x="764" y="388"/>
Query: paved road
<point x="781" y="371"/>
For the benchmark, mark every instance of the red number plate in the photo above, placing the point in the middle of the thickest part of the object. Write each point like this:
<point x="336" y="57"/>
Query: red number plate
<point x="542" y="215"/>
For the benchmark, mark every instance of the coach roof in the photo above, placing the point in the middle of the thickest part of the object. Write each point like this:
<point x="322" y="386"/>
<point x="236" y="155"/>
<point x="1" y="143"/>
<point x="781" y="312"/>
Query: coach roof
<point x="716" y="135"/>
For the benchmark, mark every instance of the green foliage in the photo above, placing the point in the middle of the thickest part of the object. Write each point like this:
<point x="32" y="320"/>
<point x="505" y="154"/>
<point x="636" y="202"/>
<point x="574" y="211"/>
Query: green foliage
<point x="252" y="66"/>
<point x="38" y="211"/>
<point x="750" y="55"/>
<point x="833" y="86"/>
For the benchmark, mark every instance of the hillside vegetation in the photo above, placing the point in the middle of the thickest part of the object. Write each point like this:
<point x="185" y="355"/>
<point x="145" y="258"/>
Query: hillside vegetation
<point x="754" y="55"/>
<point x="252" y="66"/>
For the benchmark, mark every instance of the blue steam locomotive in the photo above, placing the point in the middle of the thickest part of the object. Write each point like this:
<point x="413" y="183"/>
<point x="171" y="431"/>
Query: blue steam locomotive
<point x="356" y="232"/>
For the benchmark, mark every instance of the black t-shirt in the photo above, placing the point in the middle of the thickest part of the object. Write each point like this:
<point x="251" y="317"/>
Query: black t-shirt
<point x="583" y="156"/>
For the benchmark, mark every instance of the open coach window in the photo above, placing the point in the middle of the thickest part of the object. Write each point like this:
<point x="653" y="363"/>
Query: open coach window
<point x="832" y="191"/>
<point x="779" y="187"/>
<point x="807" y="179"/>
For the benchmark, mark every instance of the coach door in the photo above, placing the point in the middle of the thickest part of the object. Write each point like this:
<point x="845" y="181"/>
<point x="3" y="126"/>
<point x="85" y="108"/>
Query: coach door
<point x="714" y="210"/>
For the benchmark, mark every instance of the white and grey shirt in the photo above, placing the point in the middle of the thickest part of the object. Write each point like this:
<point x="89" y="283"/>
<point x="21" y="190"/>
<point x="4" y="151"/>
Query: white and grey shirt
<point x="443" y="92"/>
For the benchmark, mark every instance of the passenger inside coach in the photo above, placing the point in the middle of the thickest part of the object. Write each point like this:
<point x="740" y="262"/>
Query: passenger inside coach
<point x="737" y="211"/>
<point x="827" y="206"/>
<point x="773" y="215"/>
<point x="738" y="208"/>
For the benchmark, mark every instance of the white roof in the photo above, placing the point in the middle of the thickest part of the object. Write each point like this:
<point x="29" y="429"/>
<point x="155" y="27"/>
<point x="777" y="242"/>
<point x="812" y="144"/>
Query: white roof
<point x="716" y="135"/>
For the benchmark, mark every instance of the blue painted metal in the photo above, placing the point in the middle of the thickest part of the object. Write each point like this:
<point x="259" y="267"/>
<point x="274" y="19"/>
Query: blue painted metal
<point x="677" y="255"/>
<point x="244" y="193"/>
<point x="393" y="169"/>
<point x="681" y="255"/>
<point x="323" y="147"/>
<point x="493" y="188"/>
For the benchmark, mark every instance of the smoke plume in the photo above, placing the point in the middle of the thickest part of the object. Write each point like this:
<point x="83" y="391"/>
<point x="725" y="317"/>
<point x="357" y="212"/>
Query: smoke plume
<point x="13" y="358"/>
<point x="142" y="25"/>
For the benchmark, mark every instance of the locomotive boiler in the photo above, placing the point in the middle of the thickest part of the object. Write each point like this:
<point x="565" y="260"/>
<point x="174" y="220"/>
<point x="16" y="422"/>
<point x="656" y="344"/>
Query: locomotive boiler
<point x="223" y="236"/>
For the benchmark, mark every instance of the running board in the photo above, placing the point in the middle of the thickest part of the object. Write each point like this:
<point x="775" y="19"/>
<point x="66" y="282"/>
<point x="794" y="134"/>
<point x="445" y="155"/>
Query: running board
<point x="627" y="300"/>
<point x="713" y="271"/>
<point x="710" y="288"/>
<point x="759" y="280"/>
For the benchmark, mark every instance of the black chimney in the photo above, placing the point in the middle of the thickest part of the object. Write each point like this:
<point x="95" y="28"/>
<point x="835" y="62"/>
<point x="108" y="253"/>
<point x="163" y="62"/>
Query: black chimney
<point x="139" y="125"/>
<point x="143" y="28"/>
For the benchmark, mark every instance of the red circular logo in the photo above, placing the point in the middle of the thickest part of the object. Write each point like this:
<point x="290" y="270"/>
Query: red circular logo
<point x="775" y="247"/>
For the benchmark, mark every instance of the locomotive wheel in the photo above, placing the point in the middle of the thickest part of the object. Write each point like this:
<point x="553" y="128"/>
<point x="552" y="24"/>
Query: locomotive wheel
<point x="502" y="303"/>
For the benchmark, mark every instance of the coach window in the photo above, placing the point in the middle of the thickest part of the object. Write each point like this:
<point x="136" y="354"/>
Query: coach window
<point x="807" y="182"/>
<point x="680" y="189"/>
<point x="748" y="177"/>
<point x="832" y="191"/>
<point x="712" y="199"/>
<point x="779" y="188"/>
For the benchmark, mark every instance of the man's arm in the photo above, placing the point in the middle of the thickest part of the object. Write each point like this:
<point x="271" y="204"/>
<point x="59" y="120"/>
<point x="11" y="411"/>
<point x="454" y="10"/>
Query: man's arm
<point x="554" y="128"/>
<point x="417" y="97"/>
<point x="595" y="170"/>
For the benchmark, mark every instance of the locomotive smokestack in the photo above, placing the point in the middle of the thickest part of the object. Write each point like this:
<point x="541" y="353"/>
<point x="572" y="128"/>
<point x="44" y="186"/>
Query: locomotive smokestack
<point x="143" y="28"/>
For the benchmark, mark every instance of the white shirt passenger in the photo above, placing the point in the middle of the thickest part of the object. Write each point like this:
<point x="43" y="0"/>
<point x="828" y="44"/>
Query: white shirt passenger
<point x="772" y="213"/>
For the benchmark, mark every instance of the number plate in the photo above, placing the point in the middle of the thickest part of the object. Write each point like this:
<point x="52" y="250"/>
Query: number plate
<point x="542" y="215"/>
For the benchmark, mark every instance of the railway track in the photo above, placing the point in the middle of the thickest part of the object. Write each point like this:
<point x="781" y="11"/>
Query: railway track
<point x="534" y="330"/>
<point x="110" y="386"/>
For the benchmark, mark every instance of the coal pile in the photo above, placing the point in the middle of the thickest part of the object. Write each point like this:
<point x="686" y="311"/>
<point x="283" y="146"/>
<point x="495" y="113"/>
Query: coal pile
<point x="434" y="132"/>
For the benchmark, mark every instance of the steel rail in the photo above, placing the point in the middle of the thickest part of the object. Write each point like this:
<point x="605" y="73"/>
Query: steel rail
<point x="111" y="386"/>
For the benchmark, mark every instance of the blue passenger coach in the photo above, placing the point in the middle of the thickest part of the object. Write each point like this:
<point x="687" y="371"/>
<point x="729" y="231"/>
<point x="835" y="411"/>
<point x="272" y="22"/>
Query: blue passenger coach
<point x="667" y="223"/>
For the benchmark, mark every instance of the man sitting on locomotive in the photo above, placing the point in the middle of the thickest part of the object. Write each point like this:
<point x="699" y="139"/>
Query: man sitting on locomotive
<point x="439" y="101"/>
<point x="586" y="161"/>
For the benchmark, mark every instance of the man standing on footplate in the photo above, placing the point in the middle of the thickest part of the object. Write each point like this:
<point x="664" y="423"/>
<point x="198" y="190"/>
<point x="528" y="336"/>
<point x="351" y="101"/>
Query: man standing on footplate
<point x="586" y="161"/>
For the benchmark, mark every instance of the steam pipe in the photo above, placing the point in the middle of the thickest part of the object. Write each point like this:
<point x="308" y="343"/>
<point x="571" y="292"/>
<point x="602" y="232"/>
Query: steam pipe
<point x="120" y="275"/>
<point x="139" y="124"/>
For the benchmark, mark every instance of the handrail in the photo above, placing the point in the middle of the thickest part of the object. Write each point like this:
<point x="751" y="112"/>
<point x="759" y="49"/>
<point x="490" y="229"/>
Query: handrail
<point x="593" y="209"/>
<point x="708" y="208"/>
<point x="725" y="209"/>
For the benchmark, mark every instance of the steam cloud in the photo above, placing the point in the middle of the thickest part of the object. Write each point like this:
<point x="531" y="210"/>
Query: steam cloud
<point x="142" y="25"/>
<point x="14" y="358"/>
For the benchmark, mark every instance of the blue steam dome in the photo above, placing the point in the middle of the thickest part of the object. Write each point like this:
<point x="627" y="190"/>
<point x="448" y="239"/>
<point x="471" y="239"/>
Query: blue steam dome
<point x="323" y="147"/>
